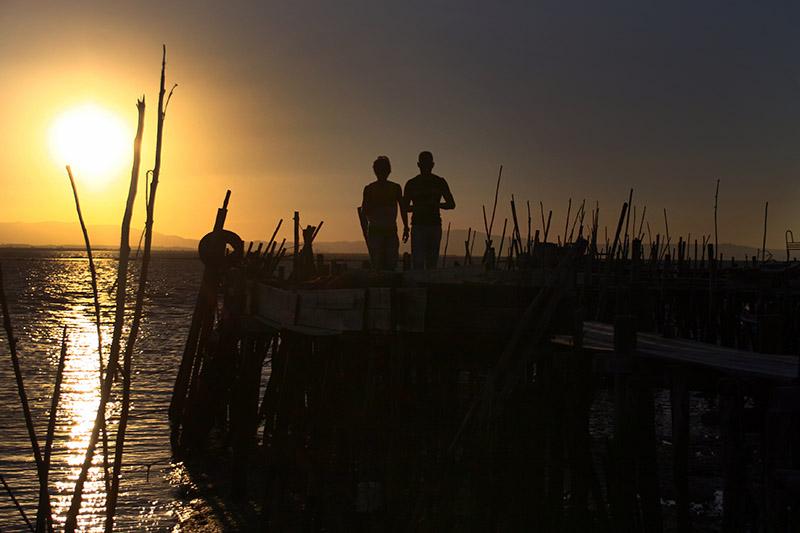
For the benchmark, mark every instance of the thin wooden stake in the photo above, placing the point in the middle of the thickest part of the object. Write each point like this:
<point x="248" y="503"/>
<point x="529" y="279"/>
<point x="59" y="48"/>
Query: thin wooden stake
<point x="716" y="238"/>
<point x="566" y="224"/>
<point x="296" y="257"/>
<point x="44" y="496"/>
<point x="97" y="320"/>
<point x="641" y="223"/>
<point x="496" y="192"/>
<point x="274" y="233"/>
<point x="547" y="228"/>
<point x="528" y="241"/>
<point x="51" y="423"/>
<point x="627" y="221"/>
<point x="502" y="241"/>
<point x="541" y="210"/>
<point x="16" y="503"/>
<point x="113" y="358"/>
<point x="137" y="313"/>
<point x="764" y="241"/>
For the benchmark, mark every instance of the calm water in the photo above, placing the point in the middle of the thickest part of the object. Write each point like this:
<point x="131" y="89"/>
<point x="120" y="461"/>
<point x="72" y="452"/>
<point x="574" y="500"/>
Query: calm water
<point x="48" y="289"/>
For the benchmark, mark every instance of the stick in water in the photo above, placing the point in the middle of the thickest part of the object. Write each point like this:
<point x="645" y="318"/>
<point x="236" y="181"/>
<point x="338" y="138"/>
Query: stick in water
<point x="137" y="313"/>
<point x="716" y="204"/>
<point x="44" y="495"/>
<point x="16" y="503"/>
<point x="113" y="357"/>
<point x="764" y="242"/>
<point x="93" y="274"/>
<point x="496" y="192"/>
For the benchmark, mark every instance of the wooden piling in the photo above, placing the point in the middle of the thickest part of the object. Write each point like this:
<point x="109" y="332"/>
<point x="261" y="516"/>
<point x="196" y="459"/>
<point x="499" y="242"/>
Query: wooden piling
<point x="679" y="400"/>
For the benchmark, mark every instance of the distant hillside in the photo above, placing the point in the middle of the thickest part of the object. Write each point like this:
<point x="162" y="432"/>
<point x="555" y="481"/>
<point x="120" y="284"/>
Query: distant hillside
<point x="69" y="234"/>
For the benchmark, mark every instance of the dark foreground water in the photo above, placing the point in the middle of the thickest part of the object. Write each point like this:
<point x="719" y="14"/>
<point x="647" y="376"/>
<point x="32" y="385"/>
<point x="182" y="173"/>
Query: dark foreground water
<point x="48" y="289"/>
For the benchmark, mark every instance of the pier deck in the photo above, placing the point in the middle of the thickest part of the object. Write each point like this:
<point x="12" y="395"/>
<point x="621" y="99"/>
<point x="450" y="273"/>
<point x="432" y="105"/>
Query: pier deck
<point x="599" y="337"/>
<point x="463" y="398"/>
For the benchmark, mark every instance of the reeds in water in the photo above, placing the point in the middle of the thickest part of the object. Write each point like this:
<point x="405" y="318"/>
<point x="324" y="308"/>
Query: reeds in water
<point x="112" y="370"/>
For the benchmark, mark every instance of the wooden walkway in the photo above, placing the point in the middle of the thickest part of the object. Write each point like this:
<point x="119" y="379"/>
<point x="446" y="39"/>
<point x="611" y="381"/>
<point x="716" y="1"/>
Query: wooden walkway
<point x="599" y="336"/>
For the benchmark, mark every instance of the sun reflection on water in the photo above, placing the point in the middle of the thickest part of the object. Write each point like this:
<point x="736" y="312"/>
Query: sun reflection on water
<point x="50" y="289"/>
<point x="77" y="411"/>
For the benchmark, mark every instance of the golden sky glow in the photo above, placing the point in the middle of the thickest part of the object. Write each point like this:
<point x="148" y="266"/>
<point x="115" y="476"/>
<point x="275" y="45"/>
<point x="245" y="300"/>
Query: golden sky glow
<point x="288" y="104"/>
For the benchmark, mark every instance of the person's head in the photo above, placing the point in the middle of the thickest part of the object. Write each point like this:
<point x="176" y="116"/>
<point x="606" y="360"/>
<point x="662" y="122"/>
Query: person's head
<point x="382" y="167"/>
<point x="425" y="162"/>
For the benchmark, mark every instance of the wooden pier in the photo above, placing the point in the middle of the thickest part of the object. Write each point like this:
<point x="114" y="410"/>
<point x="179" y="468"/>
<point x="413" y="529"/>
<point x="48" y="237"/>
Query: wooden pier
<point x="462" y="399"/>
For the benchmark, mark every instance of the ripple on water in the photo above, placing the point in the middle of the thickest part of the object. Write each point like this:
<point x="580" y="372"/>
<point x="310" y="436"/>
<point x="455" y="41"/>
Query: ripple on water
<point x="48" y="289"/>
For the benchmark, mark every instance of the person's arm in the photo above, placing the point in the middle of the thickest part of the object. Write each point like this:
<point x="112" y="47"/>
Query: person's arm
<point x="402" y="205"/>
<point x="407" y="200"/>
<point x="403" y="214"/>
<point x="449" y="202"/>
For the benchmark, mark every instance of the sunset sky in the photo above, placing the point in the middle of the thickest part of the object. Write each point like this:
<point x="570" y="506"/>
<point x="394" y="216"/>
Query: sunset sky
<point x="288" y="103"/>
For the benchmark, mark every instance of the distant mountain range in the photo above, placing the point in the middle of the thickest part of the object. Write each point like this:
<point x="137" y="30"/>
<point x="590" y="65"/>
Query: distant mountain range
<point x="66" y="234"/>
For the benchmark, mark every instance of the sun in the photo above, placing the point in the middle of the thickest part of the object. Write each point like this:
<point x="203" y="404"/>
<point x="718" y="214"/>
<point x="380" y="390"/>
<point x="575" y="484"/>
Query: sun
<point x="93" y="140"/>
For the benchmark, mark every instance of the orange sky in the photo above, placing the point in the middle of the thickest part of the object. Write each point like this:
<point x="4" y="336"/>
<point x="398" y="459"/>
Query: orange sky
<point x="288" y="106"/>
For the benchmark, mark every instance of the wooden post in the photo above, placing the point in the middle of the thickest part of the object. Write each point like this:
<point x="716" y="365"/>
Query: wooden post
<point x="446" y="242"/>
<point x="764" y="241"/>
<point x="622" y="493"/>
<point x="296" y="257"/>
<point x="716" y="237"/>
<point x="679" y="399"/>
<point x="733" y="457"/>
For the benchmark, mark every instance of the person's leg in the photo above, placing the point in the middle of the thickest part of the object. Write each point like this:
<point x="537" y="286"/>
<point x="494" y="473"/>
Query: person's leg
<point x="417" y="247"/>
<point x="392" y="251"/>
<point x="434" y="236"/>
<point x="375" y="250"/>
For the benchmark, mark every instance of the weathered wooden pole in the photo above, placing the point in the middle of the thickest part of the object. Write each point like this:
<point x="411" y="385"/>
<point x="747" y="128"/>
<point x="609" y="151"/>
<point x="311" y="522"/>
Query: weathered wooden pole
<point x="679" y="400"/>
<point x="203" y="312"/>
<point x="127" y="360"/>
<point x="296" y="256"/>
<point x="716" y="203"/>
<point x="764" y="241"/>
<point x="446" y="242"/>
<point x="44" y="495"/>
<point x="113" y="358"/>
<point x="734" y="498"/>
<point x="494" y="207"/>
<point x="502" y="241"/>
<point x="14" y="500"/>
<point x="623" y="486"/>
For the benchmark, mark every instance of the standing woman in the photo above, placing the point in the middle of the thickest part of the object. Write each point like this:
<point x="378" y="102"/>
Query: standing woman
<point x="382" y="198"/>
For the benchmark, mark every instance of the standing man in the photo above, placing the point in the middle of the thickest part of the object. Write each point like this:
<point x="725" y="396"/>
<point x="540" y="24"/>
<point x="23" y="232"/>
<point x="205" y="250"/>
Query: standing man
<point x="379" y="206"/>
<point x="423" y="198"/>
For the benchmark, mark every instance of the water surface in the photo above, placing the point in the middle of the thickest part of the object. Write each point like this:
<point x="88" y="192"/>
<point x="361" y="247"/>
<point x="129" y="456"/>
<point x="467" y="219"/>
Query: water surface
<point x="48" y="289"/>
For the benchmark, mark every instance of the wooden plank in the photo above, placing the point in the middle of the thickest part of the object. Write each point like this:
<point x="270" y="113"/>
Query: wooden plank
<point x="277" y="306"/>
<point x="330" y="311"/>
<point x="335" y="309"/>
<point x="379" y="309"/>
<point x="783" y="367"/>
<point x="411" y="309"/>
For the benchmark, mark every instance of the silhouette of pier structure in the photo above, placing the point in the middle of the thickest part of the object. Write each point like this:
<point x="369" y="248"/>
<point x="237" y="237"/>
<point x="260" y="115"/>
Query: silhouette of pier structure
<point x="464" y="399"/>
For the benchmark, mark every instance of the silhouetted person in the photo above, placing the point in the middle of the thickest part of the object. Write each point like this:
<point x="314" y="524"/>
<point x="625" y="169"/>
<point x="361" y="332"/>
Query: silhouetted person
<point x="423" y="198"/>
<point x="380" y="205"/>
